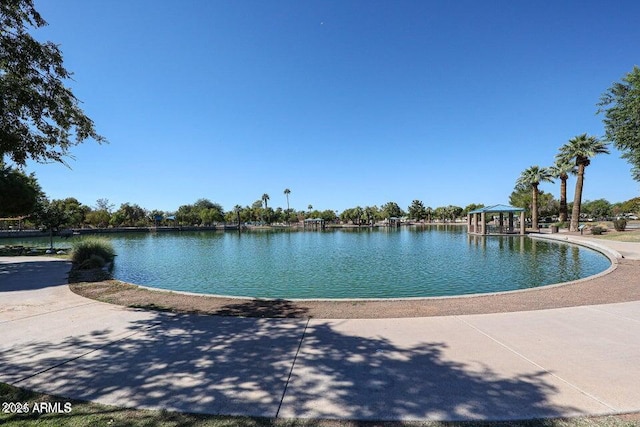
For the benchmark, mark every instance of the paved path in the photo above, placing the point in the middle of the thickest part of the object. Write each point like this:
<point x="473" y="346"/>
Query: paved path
<point x="548" y="363"/>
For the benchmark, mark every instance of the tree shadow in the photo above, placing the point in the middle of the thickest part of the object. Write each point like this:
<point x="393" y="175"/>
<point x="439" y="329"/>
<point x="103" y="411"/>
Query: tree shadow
<point x="277" y="308"/>
<point x="27" y="275"/>
<point x="243" y="366"/>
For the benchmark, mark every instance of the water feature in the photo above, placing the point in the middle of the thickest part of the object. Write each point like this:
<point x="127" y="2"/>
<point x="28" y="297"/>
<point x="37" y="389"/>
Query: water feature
<point x="378" y="263"/>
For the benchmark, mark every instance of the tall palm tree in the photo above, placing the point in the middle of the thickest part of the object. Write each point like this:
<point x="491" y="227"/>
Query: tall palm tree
<point x="264" y="198"/>
<point x="237" y="209"/>
<point x="561" y="171"/>
<point x="532" y="177"/>
<point x="579" y="150"/>
<point x="286" y="193"/>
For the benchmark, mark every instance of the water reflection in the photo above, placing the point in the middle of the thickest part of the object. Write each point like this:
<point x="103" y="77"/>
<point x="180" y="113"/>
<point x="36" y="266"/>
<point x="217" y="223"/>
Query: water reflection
<point x="432" y="260"/>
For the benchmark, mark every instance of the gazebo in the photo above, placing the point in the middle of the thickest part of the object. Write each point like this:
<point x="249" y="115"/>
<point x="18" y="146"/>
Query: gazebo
<point x="477" y="220"/>
<point x="314" y="223"/>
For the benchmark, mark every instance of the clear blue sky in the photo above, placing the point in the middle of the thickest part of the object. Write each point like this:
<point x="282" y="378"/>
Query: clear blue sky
<point x="344" y="102"/>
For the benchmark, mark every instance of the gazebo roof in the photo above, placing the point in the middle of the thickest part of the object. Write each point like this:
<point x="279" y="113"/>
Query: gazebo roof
<point x="497" y="208"/>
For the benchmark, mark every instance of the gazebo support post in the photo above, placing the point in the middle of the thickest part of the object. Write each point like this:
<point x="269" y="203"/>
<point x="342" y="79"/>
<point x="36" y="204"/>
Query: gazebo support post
<point x="475" y="224"/>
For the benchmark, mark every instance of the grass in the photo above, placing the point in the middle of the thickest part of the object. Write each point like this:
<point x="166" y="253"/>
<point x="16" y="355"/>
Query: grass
<point x="19" y="250"/>
<point x="85" y="413"/>
<point x="92" y="248"/>
<point x="620" y="236"/>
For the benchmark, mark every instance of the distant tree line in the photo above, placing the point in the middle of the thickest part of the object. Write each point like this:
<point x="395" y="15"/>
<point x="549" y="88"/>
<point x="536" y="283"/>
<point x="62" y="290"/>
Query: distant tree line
<point x="21" y="196"/>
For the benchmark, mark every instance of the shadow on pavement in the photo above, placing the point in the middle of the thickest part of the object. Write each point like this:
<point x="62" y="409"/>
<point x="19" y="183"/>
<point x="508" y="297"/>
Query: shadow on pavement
<point x="221" y="365"/>
<point x="31" y="275"/>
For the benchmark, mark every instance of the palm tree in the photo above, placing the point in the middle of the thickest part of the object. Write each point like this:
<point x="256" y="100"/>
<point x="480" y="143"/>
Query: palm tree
<point x="561" y="170"/>
<point x="310" y="207"/>
<point x="264" y="198"/>
<point x="286" y="193"/>
<point x="237" y="209"/>
<point x="429" y="213"/>
<point x="532" y="177"/>
<point x="579" y="151"/>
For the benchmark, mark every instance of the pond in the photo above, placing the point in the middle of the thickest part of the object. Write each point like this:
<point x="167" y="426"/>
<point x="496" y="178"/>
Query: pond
<point x="368" y="263"/>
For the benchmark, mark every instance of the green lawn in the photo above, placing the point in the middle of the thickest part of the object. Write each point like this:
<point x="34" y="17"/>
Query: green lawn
<point x="620" y="236"/>
<point x="90" y="414"/>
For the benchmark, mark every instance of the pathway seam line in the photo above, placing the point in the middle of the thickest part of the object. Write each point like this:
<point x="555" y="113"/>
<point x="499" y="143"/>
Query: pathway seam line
<point x="620" y="316"/>
<point x="570" y="384"/>
<point x="48" y="312"/>
<point x="107" y="344"/>
<point x="286" y="385"/>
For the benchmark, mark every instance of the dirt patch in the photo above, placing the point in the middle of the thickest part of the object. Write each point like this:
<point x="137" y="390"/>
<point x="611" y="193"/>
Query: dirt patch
<point x="621" y="285"/>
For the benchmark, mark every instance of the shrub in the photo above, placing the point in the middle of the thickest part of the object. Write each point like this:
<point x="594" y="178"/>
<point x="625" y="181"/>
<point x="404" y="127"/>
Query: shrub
<point x="597" y="230"/>
<point x="85" y="249"/>
<point x="95" y="261"/>
<point x="561" y="224"/>
<point x="620" y="224"/>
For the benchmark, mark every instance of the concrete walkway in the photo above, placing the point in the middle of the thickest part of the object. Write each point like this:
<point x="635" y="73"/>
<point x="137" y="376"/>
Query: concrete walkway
<point x="549" y="363"/>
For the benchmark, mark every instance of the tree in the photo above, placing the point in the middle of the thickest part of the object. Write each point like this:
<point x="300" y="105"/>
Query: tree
<point x="51" y="216"/>
<point x="40" y="118"/>
<point x="454" y="212"/>
<point x="391" y="210"/>
<point x="621" y="108"/>
<point x="105" y="205"/>
<point x="257" y="210"/>
<point x="130" y="215"/>
<point x="417" y="210"/>
<point x="371" y="213"/>
<point x="599" y="209"/>
<point x="265" y="198"/>
<point x="472" y="207"/>
<point x="441" y="213"/>
<point x="561" y="171"/>
<point x="74" y="211"/>
<point x="19" y="193"/>
<point x="98" y="218"/>
<point x="237" y="209"/>
<point x="522" y="198"/>
<point x="286" y="193"/>
<point x="631" y="206"/>
<point x="579" y="150"/>
<point x="531" y="178"/>
<point x="429" y="212"/>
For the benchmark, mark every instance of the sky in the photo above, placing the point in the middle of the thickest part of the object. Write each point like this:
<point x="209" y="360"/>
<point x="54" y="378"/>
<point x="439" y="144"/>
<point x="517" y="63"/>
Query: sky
<point x="344" y="102"/>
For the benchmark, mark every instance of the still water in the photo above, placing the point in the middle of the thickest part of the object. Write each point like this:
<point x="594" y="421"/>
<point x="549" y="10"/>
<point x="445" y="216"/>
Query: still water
<point x="378" y="263"/>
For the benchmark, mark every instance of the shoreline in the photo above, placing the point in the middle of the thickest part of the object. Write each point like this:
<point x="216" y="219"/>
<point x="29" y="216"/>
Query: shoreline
<point x="614" y="285"/>
<point x="619" y="285"/>
<point x="9" y="234"/>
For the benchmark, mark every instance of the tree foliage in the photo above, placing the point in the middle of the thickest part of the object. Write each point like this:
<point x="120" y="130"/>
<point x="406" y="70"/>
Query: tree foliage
<point x="40" y="118"/>
<point x="579" y="150"/>
<point x="531" y="178"/>
<point x="621" y="108"/>
<point x="417" y="210"/>
<point x="19" y="193"/>
<point x="599" y="209"/>
<point x="391" y="210"/>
